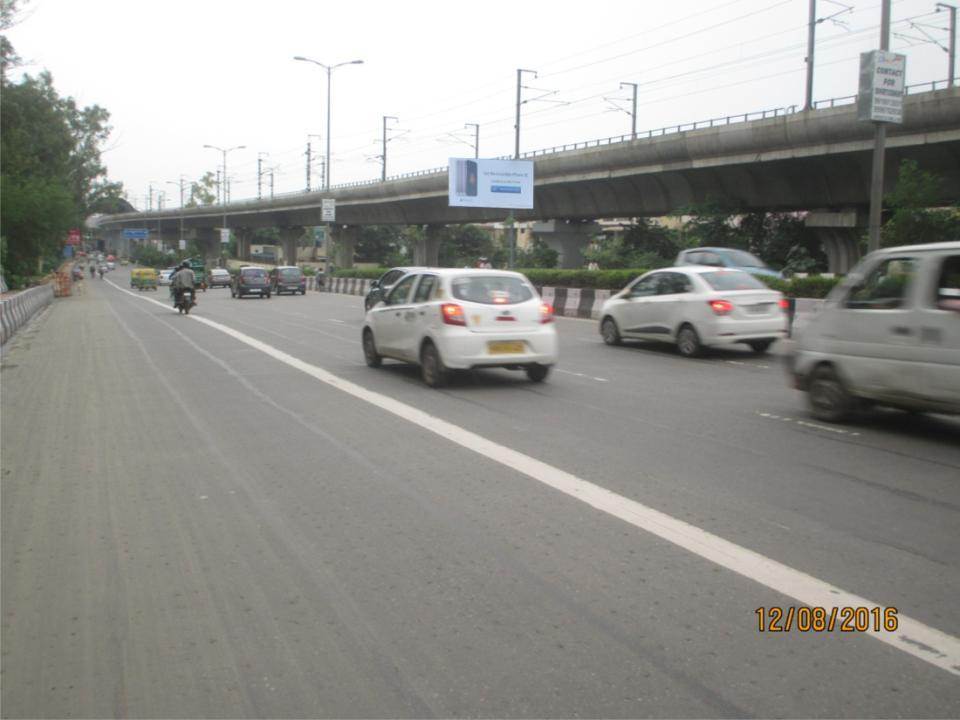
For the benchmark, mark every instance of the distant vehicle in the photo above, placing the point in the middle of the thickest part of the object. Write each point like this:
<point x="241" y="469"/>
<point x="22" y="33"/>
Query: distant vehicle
<point x="166" y="274"/>
<point x="726" y="258"/>
<point x="111" y="265"/>
<point x="219" y="277"/>
<point x="382" y="285"/>
<point x="448" y="319"/>
<point x="695" y="307"/>
<point x="889" y="334"/>
<point x="251" y="280"/>
<point x="288" y="278"/>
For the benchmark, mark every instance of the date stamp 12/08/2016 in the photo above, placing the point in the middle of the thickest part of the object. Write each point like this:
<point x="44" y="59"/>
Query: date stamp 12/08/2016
<point x="821" y="619"/>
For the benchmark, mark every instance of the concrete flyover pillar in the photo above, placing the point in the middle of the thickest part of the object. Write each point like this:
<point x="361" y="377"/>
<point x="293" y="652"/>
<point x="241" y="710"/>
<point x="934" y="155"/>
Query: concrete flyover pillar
<point x="427" y="250"/>
<point x="567" y="238"/>
<point x="289" y="239"/>
<point x="208" y="240"/>
<point x="840" y="234"/>
<point x="244" y="238"/>
<point x="344" y="239"/>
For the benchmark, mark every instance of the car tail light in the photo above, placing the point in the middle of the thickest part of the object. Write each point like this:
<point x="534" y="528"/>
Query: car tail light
<point x="721" y="307"/>
<point x="784" y="304"/>
<point x="546" y="313"/>
<point x="453" y="314"/>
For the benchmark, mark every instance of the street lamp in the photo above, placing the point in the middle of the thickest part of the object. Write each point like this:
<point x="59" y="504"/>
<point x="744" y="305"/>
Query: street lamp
<point x="225" y="151"/>
<point x="179" y="184"/>
<point x="329" y="69"/>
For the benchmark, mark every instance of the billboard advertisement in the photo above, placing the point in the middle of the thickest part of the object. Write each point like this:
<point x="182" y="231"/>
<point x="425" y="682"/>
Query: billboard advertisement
<point x="882" y="78"/>
<point x="491" y="183"/>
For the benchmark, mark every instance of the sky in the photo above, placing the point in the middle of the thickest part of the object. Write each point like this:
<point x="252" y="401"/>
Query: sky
<point x="176" y="75"/>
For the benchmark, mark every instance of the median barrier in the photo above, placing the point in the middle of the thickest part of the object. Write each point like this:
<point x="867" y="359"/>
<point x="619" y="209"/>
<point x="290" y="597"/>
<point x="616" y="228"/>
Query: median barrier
<point x="16" y="310"/>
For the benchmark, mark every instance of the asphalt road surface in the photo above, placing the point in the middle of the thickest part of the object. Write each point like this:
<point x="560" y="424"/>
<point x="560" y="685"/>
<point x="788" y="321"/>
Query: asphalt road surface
<point x="230" y="515"/>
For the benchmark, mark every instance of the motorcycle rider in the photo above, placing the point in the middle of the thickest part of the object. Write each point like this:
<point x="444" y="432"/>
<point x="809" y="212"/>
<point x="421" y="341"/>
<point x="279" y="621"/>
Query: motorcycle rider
<point x="181" y="280"/>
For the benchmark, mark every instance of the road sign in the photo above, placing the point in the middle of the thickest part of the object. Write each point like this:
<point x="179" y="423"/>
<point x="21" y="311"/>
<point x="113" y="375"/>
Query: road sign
<point x="224" y="236"/>
<point x="73" y="237"/>
<point x="136" y="233"/>
<point x="882" y="76"/>
<point x="328" y="210"/>
<point x="183" y="244"/>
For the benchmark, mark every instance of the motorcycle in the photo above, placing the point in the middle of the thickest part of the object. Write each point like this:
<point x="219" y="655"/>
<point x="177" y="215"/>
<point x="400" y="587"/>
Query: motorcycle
<point x="186" y="301"/>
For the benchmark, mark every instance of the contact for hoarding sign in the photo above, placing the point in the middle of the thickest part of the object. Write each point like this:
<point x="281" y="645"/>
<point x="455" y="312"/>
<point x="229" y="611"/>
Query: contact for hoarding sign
<point x="491" y="183"/>
<point x="882" y="83"/>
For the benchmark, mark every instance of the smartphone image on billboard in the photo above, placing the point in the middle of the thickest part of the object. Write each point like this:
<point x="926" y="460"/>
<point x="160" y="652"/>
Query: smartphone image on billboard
<point x="466" y="178"/>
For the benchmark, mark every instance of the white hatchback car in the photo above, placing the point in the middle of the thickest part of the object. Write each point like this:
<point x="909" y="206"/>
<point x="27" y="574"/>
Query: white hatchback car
<point x="696" y="307"/>
<point x="447" y="319"/>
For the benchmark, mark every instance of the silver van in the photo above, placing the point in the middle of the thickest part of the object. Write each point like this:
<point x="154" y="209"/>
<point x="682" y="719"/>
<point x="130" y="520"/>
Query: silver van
<point x="889" y="334"/>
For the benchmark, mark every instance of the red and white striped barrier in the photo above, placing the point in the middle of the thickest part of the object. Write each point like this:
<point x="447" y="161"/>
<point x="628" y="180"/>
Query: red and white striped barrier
<point x="17" y="309"/>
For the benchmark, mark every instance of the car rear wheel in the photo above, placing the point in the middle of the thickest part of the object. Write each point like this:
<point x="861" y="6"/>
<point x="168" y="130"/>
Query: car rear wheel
<point x="537" y="373"/>
<point x="760" y="346"/>
<point x="434" y="373"/>
<point x="610" y="332"/>
<point x="828" y="398"/>
<point x="370" y="354"/>
<point x="688" y="342"/>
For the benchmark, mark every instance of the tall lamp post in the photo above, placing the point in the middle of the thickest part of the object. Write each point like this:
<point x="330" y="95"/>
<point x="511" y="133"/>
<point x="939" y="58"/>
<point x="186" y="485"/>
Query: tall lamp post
<point x="179" y="184"/>
<point x="329" y="69"/>
<point x="225" y="151"/>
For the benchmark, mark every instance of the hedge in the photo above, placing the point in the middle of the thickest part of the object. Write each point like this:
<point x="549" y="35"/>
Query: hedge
<point x="808" y="287"/>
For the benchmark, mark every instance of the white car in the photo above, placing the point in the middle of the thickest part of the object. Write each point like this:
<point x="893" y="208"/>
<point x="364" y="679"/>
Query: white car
<point x="447" y="319"/>
<point x="696" y="307"/>
<point x="165" y="275"/>
<point x="889" y="334"/>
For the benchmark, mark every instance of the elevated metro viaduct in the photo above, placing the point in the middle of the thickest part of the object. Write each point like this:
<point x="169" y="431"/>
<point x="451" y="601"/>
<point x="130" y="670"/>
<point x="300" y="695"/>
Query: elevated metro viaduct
<point x="817" y="161"/>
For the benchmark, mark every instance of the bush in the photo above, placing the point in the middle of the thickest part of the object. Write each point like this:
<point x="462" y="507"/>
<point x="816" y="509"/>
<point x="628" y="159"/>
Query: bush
<point x="815" y="286"/>
<point x="364" y="273"/>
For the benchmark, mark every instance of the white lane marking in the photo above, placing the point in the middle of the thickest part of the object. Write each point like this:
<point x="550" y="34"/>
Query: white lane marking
<point x="342" y="322"/>
<point x="577" y="374"/>
<point x="805" y="423"/>
<point x="911" y="636"/>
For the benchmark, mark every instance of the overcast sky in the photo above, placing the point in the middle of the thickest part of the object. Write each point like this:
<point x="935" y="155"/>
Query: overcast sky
<point x="179" y="74"/>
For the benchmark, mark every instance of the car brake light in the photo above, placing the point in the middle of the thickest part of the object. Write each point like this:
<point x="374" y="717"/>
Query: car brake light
<point x="453" y="314"/>
<point x="546" y="313"/>
<point x="784" y="304"/>
<point x="721" y="307"/>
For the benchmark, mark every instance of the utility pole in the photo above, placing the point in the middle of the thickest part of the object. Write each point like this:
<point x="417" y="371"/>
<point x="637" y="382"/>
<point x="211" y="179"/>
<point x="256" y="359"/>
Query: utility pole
<point x="383" y="173"/>
<point x="218" y="186"/>
<point x="150" y="198"/>
<point x="879" y="147"/>
<point x="260" y="173"/>
<point x="811" y="38"/>
<point x="516" y="144"/>
<point x="308" y="165"/>
<point x="271" y="183"/>
<point x="476" y="138"/>
<point x="633" y="114"/>
<point x="952" y="56"/>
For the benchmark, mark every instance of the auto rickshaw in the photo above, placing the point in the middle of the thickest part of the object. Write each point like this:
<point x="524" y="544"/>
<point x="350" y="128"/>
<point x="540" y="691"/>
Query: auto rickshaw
<point x="143" y="278"/>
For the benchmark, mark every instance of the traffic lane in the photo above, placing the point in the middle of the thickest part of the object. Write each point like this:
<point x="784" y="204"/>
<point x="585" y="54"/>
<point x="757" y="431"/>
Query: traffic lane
<point x="806" y="484"/>
<point x="484" y="592"/>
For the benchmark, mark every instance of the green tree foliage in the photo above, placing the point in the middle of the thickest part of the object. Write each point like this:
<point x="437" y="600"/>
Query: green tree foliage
<point x="919" y="215"/>
<point x="710" y="224"/>
<point x="463" y="245"/>
<point x="381" y="244"/>
<point x="643" y="244"/>
<point x="202" y="191"/>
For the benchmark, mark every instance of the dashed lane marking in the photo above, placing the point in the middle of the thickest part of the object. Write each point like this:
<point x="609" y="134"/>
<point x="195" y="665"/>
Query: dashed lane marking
<point x="805" y="423"/>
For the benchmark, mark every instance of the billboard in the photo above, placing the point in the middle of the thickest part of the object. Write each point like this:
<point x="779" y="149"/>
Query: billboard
<point x="328" y="210"/>
<point x="491" y="183"/>
<point x="882" y="78"/>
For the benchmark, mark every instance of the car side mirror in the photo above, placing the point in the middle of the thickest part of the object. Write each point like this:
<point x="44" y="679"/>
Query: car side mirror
<point x="375" y="285"/>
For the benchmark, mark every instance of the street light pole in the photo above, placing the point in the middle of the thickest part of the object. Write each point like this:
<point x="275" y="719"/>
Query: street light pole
<point x="383" y="172"/>
<point x="180" y="184"/>
<point x="225" y="151"/>
<point x="516" y="145"/>
<point x="811" y="41"/>
<point x="476" y="138"/>
<point x="879" y="148"/>
<point x="329" y="69"/>
<point x="953" y="39"/>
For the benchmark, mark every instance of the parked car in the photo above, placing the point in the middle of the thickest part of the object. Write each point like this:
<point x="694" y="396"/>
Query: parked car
<point x="250" y="280"/>
<point x="288" y="278"/>
<point x="166" y="274"/>
<point x="380" y="287"/>
<point x="889" y="334"/>
<point x="696" y="307"/>
<point x="726" y="258"/>
<point x="219" y="277"/>
<point x="446" y="319"/>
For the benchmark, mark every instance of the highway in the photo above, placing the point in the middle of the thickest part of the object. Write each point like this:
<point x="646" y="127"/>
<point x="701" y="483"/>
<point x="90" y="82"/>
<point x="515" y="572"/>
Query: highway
<point x="230" y="515"/>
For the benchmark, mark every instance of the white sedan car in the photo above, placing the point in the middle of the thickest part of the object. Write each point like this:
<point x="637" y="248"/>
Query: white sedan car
<point x="165" y="275"/>
<point x="696" y="307"/>
<point x="447" y="319"/>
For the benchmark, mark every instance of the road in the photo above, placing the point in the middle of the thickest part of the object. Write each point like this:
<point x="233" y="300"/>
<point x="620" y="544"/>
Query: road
<point x="230" y="515"/>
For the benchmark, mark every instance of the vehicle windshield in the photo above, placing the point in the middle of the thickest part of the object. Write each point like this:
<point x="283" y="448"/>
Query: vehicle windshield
<point x="253" y="273"/>
<point x="491" y="289"/>
<point x="732" y="280"/>
<point x="290" y="274"/>
<point x="745" y="259"/>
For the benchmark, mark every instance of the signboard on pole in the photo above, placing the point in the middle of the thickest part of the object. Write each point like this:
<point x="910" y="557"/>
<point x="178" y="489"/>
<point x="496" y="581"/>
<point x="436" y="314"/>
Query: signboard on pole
<point x="882" y="82"/>
<point x="491" y="183"/>
<point x="319" y="235"/>
<point x="224" y="236"/>
<point x="73" y="237"/>
<point x="183" y="244"/>
<point x="136" y="233"/>
<point x="328" y="210"/>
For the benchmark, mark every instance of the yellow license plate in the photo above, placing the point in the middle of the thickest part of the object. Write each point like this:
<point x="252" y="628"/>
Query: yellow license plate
<point x="506" y="347"/>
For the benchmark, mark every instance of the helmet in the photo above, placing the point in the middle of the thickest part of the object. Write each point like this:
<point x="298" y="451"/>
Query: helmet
<point x="184" y="265"/>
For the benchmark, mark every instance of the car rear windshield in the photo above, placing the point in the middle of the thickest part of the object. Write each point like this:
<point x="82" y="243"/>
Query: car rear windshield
<point x="732" y="280"/>
<point x="253" y="273"/>
<point x="290" y="274"/>
<point x="745" y="259"/>
<point x="491" y="289"/>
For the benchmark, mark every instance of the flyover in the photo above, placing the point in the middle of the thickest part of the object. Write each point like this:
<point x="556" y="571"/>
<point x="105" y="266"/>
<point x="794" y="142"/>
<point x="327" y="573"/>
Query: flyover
<point x="817" y="160"/>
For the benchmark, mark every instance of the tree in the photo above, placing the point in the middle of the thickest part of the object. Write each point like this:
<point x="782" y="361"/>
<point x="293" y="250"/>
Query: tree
<point x="919" y="215"/>
<point x="379" y="243"/>
<point x="464" y="245"/>
<point x="202" y="191"/>
<point x="709" y="224"/>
